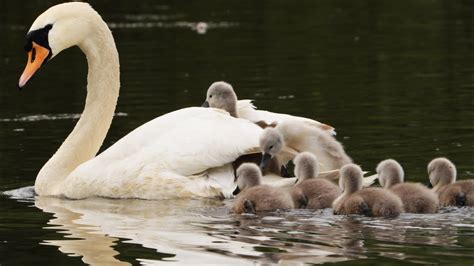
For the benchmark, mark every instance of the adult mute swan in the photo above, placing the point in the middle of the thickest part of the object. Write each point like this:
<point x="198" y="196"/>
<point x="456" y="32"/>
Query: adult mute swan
<point x="184" y="153"/>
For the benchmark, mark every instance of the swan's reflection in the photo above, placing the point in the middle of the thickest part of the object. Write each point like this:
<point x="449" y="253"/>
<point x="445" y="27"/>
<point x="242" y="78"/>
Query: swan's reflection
<point x="194" y="231"/>
<point x="97" y="224"/>
<point x="202" y="231"/>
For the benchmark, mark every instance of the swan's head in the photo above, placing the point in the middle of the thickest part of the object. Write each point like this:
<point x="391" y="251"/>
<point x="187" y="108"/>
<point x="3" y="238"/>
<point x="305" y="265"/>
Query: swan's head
<point x="248" y="175"/>
<point x="351" y="178"/>
<point x="441" y="172"/>
<point x="390" y="173"/>
<point x="221" y="95"/>
<point x="58" y="28"/>
<point x="271" y="143"/>
<point x="306" y="166"/>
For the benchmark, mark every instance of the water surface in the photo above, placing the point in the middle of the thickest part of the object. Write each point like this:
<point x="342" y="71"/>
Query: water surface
<point x="396" y="79"/>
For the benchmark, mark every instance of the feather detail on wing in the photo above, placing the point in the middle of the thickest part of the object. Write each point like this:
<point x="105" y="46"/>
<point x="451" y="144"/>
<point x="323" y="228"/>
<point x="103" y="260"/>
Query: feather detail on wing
<point x="181" y="145"/>
<point x="247" y="110"/>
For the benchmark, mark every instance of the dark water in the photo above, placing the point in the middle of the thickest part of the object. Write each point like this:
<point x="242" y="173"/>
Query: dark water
<point x="395" y="78"/>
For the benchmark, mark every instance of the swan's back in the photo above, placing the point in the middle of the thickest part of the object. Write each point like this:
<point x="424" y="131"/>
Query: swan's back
<point x="248" y="111"/>
<point x="416" y="198"/>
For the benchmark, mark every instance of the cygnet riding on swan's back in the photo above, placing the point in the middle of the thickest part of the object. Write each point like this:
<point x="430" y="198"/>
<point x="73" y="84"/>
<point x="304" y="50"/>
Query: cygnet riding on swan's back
<point x="254" y="196"/>
<point x="368" y="201"/>
<point x="442" y="173"/>
<point x="312" y="192"/>
<point x="221" y="95"/>
<point x="416" y="197"/>
<point x="188" y="152"/>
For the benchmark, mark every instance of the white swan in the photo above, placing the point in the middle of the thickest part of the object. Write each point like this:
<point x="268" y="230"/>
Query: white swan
<point x="179" y="154"/>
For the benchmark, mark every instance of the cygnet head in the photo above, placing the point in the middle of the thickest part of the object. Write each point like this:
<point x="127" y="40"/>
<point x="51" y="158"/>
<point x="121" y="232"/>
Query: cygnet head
<point x="441" y="172"/>
<point x="57" y="29"/>
<point x="390" y="173"/>
<point x="351" y="178"/>
<point x="248" y="175"/>
<point x="271" y="143"/>
<point x="306" y="166"/>
<point x="221" y="95"/>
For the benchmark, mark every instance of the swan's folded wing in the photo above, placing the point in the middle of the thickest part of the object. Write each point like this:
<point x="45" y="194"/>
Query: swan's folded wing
<point x="183" y="143"/>
<point x="248" y="111"/>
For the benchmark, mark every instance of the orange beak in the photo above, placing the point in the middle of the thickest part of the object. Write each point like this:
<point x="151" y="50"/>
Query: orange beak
<point x="36" y="56"/>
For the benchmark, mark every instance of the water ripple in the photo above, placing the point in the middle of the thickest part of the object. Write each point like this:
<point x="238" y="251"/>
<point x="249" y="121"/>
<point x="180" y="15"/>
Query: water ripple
<point x="42" y="117"/>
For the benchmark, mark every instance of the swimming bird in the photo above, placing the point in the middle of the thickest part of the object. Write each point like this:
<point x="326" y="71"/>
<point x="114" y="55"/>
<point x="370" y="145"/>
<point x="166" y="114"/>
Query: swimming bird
<point x="185" y="153"/>
<point x="312" y="192"/>
<point x="442" y="174"/>
<point x="416" y="197"/>
<point x="368" y="201"/>
<point x="254" y="196"/>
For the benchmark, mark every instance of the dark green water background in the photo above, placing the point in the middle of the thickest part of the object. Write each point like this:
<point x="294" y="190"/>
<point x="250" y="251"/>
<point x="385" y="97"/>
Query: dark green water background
<point x="395" y="78"/>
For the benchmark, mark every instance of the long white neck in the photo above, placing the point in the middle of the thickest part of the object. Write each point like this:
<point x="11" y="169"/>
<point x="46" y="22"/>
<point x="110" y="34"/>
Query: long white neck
<point x="83" y="143"/>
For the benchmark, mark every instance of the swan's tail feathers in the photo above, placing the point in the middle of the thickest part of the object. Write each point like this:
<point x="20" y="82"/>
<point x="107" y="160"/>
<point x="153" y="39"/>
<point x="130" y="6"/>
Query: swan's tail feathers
<point x="369" y="180"/>
<point x="247" y="103"/>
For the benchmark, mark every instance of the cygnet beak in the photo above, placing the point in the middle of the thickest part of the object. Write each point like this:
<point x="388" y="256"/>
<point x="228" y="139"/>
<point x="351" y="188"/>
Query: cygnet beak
<point x="265" y="161"/>
<point x="236" y="191"/>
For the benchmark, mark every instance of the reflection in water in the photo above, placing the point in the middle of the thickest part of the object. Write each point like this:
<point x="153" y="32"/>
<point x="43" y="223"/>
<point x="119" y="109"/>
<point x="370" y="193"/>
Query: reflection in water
<point x="203" y="231"/>
<point x="41" y="117"/>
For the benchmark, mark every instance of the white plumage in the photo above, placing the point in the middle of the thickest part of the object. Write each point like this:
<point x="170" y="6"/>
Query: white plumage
<point x="185" y="153"/>
<point x="247" y="110"/>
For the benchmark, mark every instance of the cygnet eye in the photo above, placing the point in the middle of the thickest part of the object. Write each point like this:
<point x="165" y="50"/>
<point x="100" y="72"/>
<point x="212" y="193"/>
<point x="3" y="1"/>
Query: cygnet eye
<point x="271" y="147"/>
<point x="210" y="96"/>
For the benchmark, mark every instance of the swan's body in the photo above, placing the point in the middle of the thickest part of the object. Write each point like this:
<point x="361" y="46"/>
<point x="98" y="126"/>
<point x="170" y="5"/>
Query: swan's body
<point x="442" y="174"/>
<point x="367" y="201"/>
<point x="310" y="191"/>
<point x="256" y="196"/>
<point x="416" y="198"/>
<point x="178" y="154"/>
